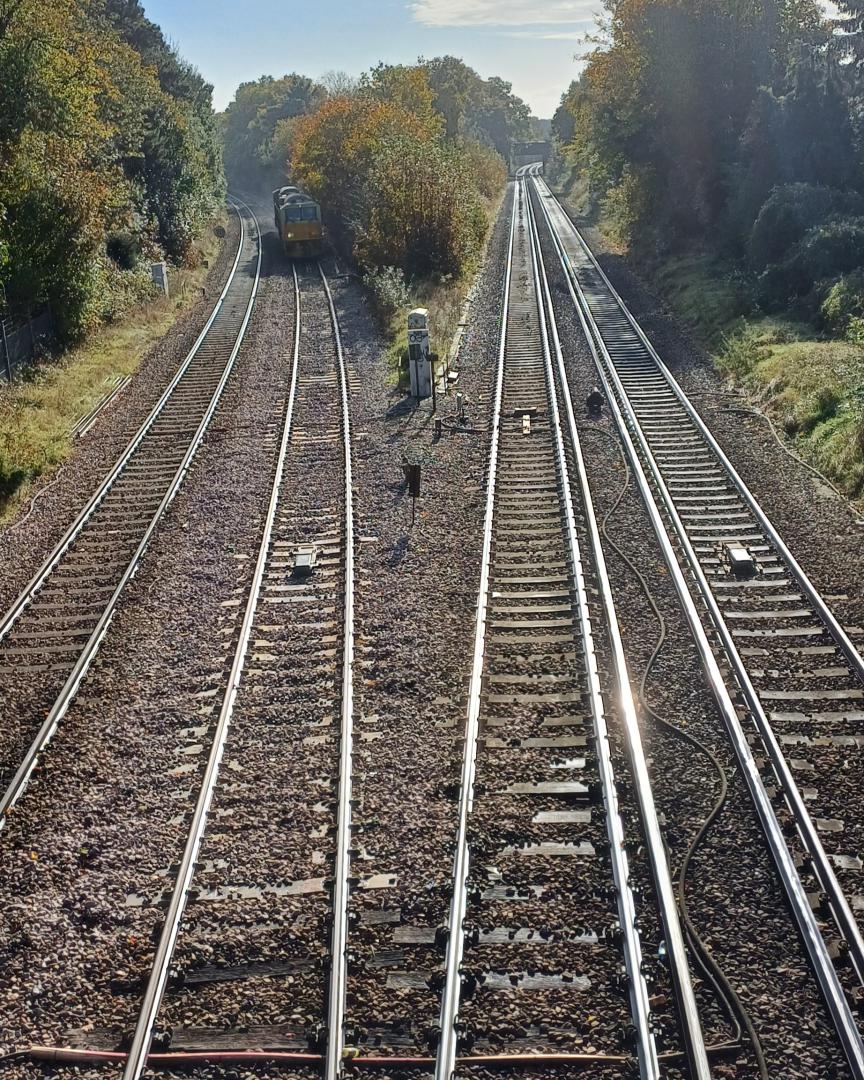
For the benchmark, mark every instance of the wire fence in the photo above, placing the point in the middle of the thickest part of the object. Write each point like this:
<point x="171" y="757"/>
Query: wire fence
<point x="22" y="343"/>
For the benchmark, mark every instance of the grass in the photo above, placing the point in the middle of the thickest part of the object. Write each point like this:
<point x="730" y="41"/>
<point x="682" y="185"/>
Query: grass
<point x="704" y="295"/>
<point x="813" y="389"/>
<point x="810" y="385"/>
<point x="39" y="411"/>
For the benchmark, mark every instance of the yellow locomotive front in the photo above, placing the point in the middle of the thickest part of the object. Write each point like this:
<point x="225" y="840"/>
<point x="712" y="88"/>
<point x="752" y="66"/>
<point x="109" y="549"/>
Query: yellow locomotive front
<point x="298" y="221"/>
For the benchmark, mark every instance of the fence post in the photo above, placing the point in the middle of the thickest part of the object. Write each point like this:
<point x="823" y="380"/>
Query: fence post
<point x="6" y="361"/>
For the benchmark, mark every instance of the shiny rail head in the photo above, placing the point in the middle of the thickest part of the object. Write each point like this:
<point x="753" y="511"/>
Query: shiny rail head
<point x="628" y="425"/>
<point x="46" y="732"/>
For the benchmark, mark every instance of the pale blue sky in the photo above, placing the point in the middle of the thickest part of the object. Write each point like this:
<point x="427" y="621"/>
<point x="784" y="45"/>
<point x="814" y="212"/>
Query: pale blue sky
<point x="531" y="46"/>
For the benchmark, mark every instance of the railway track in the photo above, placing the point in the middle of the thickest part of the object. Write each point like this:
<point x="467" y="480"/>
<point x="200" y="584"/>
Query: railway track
<point x="788" y="679"/>
<point x="52" y="633"/>
<point x="543" y="910"/>
<point x="252" y="949"/>
<point x="546" y="954"/>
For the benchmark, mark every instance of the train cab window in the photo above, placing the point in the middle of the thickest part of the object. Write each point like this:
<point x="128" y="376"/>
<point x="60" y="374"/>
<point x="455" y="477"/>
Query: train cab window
<point x="304" y="212"/>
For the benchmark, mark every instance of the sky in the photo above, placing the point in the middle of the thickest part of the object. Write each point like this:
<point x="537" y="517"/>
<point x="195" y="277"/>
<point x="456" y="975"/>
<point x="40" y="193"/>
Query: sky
<point x="532" y="46"/>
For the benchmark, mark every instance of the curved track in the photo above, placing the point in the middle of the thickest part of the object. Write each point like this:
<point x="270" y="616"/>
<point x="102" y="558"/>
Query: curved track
<point x="256" y="922"/>
<point x="50" y="636"/>
<point x="788" y="667"/>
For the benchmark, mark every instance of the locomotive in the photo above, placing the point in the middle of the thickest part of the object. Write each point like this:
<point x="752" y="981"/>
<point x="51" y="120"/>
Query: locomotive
<point x="298" y="222"/>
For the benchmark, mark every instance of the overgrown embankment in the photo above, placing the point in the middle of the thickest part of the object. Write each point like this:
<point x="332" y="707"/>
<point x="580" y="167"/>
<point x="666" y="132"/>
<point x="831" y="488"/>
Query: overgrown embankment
<point x="38" y="413"/>
<point x="109" y="159"/>
<point x="723" y="148"/>
<point x="808" y="382"/>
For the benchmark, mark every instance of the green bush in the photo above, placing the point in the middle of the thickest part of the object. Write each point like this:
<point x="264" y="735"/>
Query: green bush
<point x="827" y="251"/>
<point x="855" y="331"/>
<point x="790" y="213"/>
<point x="844" y="301"/>
<point x="389" y="291"/>
<point x="740" y="351"/>
<point x="121" y="290"/>
<point x="626" y="206"/>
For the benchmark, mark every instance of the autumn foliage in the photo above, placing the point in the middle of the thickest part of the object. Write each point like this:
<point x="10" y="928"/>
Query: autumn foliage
<point x="398" y="178"/>
<point x="108" y="153"/>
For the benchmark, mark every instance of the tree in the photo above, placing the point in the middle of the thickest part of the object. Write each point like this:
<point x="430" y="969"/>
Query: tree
<point x="391" y="183"/>
<point x="849" y="27"/>
<point x="339" y="84"/>
<point x="251" y="120"/>
<point x="666" y="96"/>
<point x="802" y="134"/>
<point x="483" y="109"/>
<point x="93" y="144"/>
<point x="405" y="87"/>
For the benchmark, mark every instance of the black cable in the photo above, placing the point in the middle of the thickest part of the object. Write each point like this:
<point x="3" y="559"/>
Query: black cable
<point x="727" y="994"/>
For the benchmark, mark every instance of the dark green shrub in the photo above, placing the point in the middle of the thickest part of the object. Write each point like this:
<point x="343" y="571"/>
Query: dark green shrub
<point x="790" y="213"/>
<point x="826" y="252"/>
<point x="123" y="249"/>
<point x="740" y="352"/>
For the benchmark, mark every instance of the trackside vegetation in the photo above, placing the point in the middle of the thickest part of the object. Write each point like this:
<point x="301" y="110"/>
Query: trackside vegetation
<point x="408" y="163"/>
<point x="38" y="412"/>
<point x="722" y="146"/>
<point x="110" y="157"/>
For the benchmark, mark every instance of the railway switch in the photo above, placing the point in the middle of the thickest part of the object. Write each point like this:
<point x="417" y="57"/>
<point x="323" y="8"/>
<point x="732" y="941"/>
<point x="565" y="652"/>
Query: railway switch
<point x="739" y="560"/>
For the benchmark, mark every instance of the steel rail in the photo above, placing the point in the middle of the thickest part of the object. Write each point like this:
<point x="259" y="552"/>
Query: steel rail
<point x="824" y="871"/>
<point x="152" y="999"/>
<point x="813" y="595"/>
<point x="69" y="537"/>
<point x="838" y="904"/>
<point x="693" y="1037"/>
<point x="338" y="944"/>
<point x="649" y="1066"/>
<point x="841" y="912"/>
<point x="139" y="1051"/>
<point x="445" y="1062"/>
<point x="67" y="694"/>
<point x="629" y="429"/>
